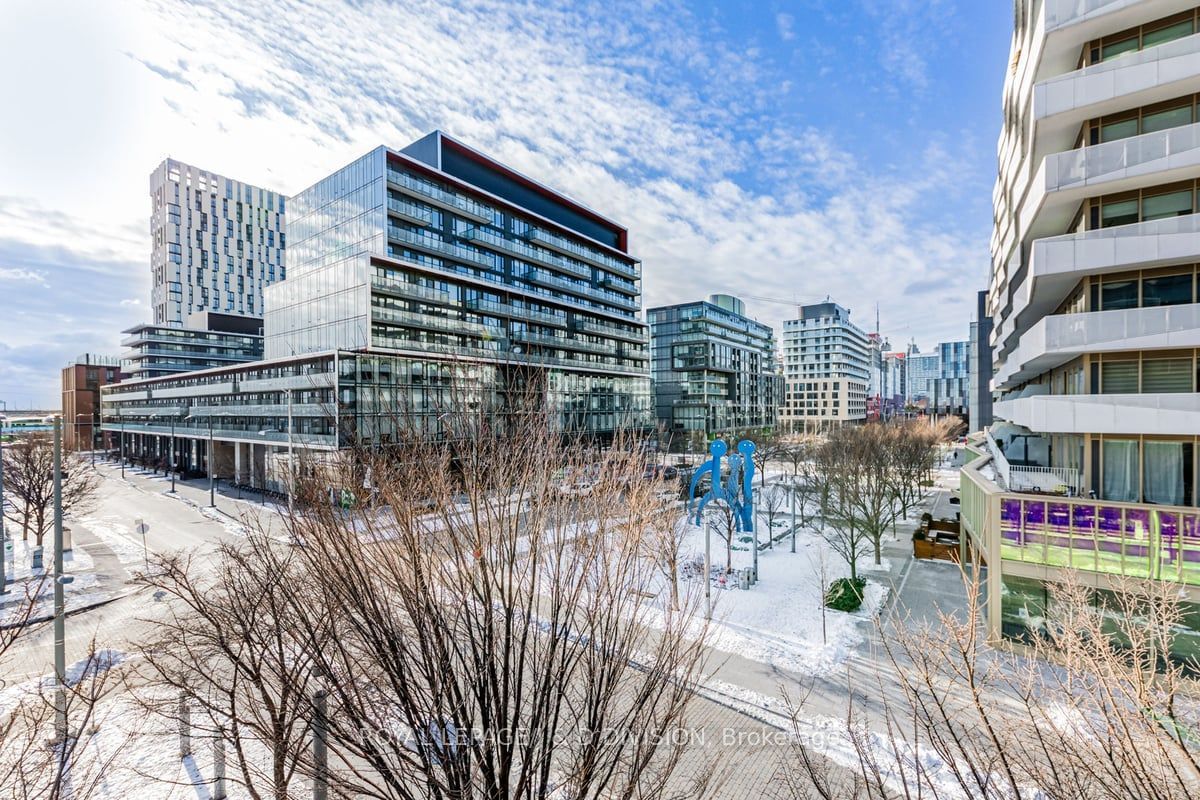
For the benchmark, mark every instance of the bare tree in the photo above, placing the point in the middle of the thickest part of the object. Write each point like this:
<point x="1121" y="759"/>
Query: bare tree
<point x="667" y="549"/>
<point x="29" y="484"/>
<point x="721" y="520"/>
<point x="835" y="476"/>
<point x="1095" y="710"/>
<point x="773" y="502"/>
<point x="482" y="633"/>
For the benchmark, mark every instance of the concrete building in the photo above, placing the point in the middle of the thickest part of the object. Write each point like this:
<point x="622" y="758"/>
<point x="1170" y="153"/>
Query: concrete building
<point x="922" y="371"/>
<point x="895" y="385"/>
<point x="979" y="367"/>
<point x="217" y="242"/>
<point x="420" y="280"/>
<point x="713" y="369"/>
<point x="210" y="340"/>
<point x="81" y="382"/>
<point x="876" y="347"/>
<point x="826" y="368"/>
<point x="1093" y="300"/>
<point x="951" y="389"/>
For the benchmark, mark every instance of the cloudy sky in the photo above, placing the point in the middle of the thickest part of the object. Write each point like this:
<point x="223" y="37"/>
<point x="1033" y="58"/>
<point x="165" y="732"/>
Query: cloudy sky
<point x="781" y="150"/>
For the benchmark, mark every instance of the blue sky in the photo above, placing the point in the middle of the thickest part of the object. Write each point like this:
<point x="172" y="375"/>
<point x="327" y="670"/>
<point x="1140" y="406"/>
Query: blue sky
<point x="781" y="151"/>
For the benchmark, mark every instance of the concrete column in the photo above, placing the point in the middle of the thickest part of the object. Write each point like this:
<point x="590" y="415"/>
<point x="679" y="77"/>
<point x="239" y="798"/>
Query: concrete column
<point x="237" y="462"/>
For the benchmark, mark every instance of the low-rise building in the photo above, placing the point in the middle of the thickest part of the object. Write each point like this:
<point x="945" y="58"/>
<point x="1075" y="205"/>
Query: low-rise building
<point x="82" y="380"/>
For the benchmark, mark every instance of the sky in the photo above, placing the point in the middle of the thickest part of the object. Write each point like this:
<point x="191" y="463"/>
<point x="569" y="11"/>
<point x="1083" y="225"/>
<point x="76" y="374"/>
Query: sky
<point x="779" y="151"/>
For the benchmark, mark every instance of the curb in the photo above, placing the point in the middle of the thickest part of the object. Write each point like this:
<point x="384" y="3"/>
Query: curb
<point x="72" y="612"/>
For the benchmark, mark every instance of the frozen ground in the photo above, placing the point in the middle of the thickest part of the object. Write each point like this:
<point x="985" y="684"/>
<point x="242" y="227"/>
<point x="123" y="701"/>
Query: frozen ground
<point x="781" y="620"/>
<point x="25" y="581"/>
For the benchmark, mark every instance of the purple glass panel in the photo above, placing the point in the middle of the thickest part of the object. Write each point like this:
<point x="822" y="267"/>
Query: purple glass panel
<point x="1137" y="523"/>
<point x="1190" y="529"/>
<point x="1035" y="514"/>
<point x="1110" y="520"/>
<point x="1084" y="517"/>
<point x="1010" y="520"/>
<point x="1168" y="524"/>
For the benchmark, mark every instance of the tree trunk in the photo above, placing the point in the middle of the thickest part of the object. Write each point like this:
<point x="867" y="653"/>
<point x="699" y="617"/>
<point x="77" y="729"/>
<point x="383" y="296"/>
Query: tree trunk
<point x="878" y="556"/>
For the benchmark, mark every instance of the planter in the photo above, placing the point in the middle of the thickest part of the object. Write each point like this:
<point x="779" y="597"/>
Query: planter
<point x="924" y="548"/>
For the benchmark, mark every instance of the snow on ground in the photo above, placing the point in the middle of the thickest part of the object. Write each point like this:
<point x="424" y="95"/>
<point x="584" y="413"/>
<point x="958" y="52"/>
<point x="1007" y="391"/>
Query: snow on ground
<point x="119" y="534"/>
<point x="24" y="580"/>
<point x="781" y="620"/>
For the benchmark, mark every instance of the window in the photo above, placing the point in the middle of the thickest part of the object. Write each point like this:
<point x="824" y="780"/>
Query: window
<point x="1119" y="130"/>
<point x="1172" y="204"/>
<point x="1167" y="33"/>
<point x="1121" y="470"/>
<point x="1169" y="290"/>
<point x="1118" y="294"/>
<point x="1162" y="472"/>
<point x="1167" y="375"/>
<point x="1123" y="212"/>
<point x="1115" y="49"/>
<point x="1119" y="377"/>
<point x="1171" y="118"/>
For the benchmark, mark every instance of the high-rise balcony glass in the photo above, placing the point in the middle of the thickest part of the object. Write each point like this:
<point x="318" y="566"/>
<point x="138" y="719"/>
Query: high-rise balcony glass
<point x="434" y="322"/>
<point x="519" y="312"/>
<point x="583" y="252"/>
<point x="409" y="289"/>
<point x="409" y="211"/>
<point x="435" y="244"/>
<point x="435" y="194"/>
<point x="595" y="326"/>
<point x="1064" y="12"/>
<point x="522" y="250"/>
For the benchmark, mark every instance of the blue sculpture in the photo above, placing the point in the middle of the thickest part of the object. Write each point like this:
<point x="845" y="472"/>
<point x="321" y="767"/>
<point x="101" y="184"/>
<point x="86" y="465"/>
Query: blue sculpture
<point x="738" y="491"/>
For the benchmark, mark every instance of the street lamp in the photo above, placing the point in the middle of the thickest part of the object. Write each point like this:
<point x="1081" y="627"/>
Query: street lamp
<point x="121" y="418"/>
<point x="212" y="493"/>
<point x="3" y="536"/>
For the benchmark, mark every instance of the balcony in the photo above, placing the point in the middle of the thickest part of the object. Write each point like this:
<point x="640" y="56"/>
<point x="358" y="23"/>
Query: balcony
<point x="1056" y="339"/>
<point x="1060" y="13"/>
<point x="408" y="289"/>
<point x="1154" y="74"/>
<point x="433" y="244"/>
<point x="1060" y="480"/>
<point x="432" y="193"/>
<point x="619" y="284"/>
<point x="409" y="211"/>
<point x="1134" y="539"/>
<point x="1103" y="413"/>
<point x="1057" y="263"/>
<point x="515" y="247"/>
<point x="414" y="319"/>
<point x="584" y="253"/>
<point x="1110" y="166"/>
<point x="516" y="312"/>
<point x="604" y="329"/>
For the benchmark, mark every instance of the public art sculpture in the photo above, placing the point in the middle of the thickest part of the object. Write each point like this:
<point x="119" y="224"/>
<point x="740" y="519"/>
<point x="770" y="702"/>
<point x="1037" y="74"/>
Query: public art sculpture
<point x="738" y="489"/>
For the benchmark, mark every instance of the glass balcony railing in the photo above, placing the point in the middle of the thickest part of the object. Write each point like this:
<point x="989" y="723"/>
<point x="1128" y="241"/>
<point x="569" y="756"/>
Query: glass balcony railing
<point x="436" y="194"/>
<point x="518" y="312"/>
<point x="604" y="329"/>
<point x="620" y="284"/>
<point x="409" y="211"/>
<point x="434" y="322"/>
<point x="410" y="289"/>
<point x="522" y="250"/>
<point x="583" y="252"/>
<point x="1089" y="164"/>
<point x="544" y="278"/>
<point x="1064" y="12"/>
<point x="435" y="244"/>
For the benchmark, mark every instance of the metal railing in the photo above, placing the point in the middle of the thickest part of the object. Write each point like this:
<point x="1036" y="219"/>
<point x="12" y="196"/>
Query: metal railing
<point x="439" y="195"/>
<point x="523" y="250"/>
<point x="583" y="252"/>
<point x="1032" y="478"/>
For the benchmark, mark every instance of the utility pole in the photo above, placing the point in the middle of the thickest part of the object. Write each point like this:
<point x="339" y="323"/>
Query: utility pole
<point x="291" y="455"/>
<point x="3" y="536"/>
<point x="212" y="491"/>
<point x="60" y="656"/>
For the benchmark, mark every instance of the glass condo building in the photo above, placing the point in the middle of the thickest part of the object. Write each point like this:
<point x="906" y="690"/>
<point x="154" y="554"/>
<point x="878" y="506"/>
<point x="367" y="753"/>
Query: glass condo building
<point x="713" y="369"/>
<point x="418" y="279"/>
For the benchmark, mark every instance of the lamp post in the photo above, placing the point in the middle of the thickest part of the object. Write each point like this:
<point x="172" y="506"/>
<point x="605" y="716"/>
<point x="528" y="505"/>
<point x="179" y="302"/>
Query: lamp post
<point x="121" y="418"/>
<point x="3" y="536"/>
<point x="60" y="654"/>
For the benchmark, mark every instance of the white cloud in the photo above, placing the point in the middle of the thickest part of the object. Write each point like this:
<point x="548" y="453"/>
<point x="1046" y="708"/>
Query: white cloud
<point x="784" y="23"/>
<point x="131" y="301"/>
<point x="637" y="111"/>
<point x="16" y="275"/>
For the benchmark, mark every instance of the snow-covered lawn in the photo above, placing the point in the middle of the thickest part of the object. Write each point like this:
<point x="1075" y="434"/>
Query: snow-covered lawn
<point x="24" y="580"/>
<point x="780" y="620"/>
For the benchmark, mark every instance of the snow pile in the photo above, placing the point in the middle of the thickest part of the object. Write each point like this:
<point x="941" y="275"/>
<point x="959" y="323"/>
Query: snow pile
<point x="25" y="581"/>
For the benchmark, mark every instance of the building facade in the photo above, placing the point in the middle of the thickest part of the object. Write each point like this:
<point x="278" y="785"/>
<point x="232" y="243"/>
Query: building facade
<point x="713" y="369"/>
<point x="217" y="242"/>
<point x="826" y="365"/>
<point x="979" y="367"/>
<point x="1093" y="300"/>
<point x="81" y="382"/>
<point x="922" y="372"/>
<point x="895" y="385"/>
<point x="154" y="351"/>
<point x="421" y="282"/>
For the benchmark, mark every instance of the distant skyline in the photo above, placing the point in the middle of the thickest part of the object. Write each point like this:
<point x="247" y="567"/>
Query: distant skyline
<point x="780" y="152"/>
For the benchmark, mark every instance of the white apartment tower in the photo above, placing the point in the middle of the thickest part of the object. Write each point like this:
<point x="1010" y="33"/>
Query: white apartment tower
<point x="1091" y="459"/>
<point x="826" y="368"/>
<point x="216" y="243"/>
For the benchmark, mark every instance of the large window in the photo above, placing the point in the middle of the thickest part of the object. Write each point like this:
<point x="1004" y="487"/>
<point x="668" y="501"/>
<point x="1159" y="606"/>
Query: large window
<point x="1119" y="377"/>
<point x="1167" y="374"/>
<point x="1120" y="470"/>
<point x="1132" y="291"/>
<point x="1167" y="290"/>
<point x="1151" y="34"/>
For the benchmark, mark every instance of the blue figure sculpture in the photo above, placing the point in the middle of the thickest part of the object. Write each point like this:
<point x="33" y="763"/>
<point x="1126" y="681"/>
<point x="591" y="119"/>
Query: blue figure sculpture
<point x="738" y="491"/>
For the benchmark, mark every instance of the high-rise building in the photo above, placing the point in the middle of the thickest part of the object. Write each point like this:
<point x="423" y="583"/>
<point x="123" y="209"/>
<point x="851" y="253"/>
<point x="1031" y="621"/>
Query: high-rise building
<point x="216" y="243"/>
<point x="951" y="389"/>
<point x="713" y="369"/>
<point x="876" y="347"/>
<point x="81" y="382"/>
<point x="895" y="385"/>
<point x="420" y="281"/>
<point x="825" y="367"/>
<point x="923" y="370"/>
<point x="1093" y="299"/>
<point x="980" y="367"/>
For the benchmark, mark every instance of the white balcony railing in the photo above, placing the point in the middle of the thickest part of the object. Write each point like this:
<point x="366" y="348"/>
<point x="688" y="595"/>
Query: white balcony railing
<point x="1065" y="12"/>
<point x="1112" y="160"/>
<point x="1037" y="479"/>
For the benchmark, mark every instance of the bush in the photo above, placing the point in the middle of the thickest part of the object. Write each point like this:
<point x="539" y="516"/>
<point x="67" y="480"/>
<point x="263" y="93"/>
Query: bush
<point x="845" y="594"/>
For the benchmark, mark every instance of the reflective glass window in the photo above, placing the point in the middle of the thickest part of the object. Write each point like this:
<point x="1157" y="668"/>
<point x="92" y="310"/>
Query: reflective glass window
<point x="1118" y="294"/>
<point x="1167" y="34"/>
<point x="1171" y="118"/>
<point x="1172" y="204"/>
<point x="1168" y="290"/>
